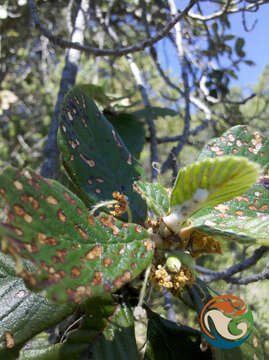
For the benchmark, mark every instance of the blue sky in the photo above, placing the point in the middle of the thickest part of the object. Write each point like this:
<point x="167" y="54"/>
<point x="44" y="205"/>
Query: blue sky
<point x="256" y="46"/>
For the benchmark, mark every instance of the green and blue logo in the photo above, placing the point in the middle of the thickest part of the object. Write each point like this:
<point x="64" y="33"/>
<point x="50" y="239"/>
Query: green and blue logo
<point x="226" y="322"/>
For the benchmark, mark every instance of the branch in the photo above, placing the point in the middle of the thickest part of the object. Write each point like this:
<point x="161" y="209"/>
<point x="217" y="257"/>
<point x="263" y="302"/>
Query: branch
<point x="171" y="160"/>
<point x="116" y="51"/>
<point x="226" y="274"/>
<point x="50" y="163"/>
<point x="249" y="279"/>
<point x="250" y="8"/>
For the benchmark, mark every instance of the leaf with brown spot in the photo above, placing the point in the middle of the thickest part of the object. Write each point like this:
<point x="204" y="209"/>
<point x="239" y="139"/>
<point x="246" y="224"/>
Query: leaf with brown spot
<point x="246" y="218"/>
<point x="99" y="154"/>
<point x="68" y="247"/>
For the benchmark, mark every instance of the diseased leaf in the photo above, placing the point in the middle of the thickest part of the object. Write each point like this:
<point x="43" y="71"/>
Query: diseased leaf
<point x="167" y="340"/>
<point x="131" y="130"/>
<point x="155" y="195"/>
<point x="209" y="182"/>
<point x="94" y="155"/>
<point x="76" y="255"/>
<point x="23" y="313"/>
<point x="246" y="217"/>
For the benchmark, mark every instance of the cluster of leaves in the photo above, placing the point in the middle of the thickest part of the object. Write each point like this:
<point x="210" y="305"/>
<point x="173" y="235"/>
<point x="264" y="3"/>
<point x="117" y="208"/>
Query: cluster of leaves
<point x="76" y="259"/>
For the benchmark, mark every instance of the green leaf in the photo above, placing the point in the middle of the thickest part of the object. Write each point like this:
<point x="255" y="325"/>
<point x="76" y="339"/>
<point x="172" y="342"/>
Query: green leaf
<point x="209" y="182"/>
<point x="94" y="155"/>
<point x="131" y="130"/>
<point x="155" y="195"/>
<point x="77" y="255"/>
<point x="239" y="44"/>
<point x="246" y="217"/>
<point x="39" y="348"/>
<point x="168" y="341"/>
<point x="252" y="349"/>
<point x="23" y="313"/>
<point x="118" y="340"/>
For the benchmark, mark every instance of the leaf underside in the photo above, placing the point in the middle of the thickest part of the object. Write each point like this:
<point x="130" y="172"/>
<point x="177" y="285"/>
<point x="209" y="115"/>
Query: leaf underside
<point x="246" y="217"/>
<point x="76" y="255"/>
<point x="155" y="195"/>
<point x="94" y="155"/>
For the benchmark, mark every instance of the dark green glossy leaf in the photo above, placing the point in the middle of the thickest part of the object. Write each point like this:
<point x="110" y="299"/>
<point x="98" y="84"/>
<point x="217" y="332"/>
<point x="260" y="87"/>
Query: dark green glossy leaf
<point x="168" y="341"/>
<point x="131" y="130"/>
<point x="239" y="45"/>
<point x="246" y="217"/>
<point x="94" y="155"/>
<point x="23" y="313"/>
<point x="118" y="340"/>
<point x="155" y="195"/>
<point x="252" y="349"/>
<point x="77" y="255"/>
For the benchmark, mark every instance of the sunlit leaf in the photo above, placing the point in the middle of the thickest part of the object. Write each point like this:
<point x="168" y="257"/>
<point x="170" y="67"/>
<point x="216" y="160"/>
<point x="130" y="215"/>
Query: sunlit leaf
<point x="209" y="182"/>
<point x="246" y="217"/>
<point x="76" y="255"/>
<point x="155" y="195"/>
<point x="94" y="155"/>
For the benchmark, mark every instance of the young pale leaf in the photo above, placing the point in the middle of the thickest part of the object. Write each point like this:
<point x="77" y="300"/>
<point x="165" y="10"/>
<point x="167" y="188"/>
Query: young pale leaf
<point x="209" y="182"/>
<point x="155" y="195"/>
<point x="76" y="255"/>
<point x="23" y="313"/>
<point x="246" y="217"/>
<point x="94" y="155"/>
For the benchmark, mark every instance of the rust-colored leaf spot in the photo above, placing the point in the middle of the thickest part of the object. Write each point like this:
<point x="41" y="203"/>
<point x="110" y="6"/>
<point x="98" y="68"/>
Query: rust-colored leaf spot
<point x="148" y="244"/>
<point x="19" y="210"/>
<point x="118" y="282"/>
<point x="263" y="208"/>
<point x="138" y="229"/>
<point x="107" y="286"/>
<point x="97" y="278"/>
<point x="91" y="221"/>
<point x="107" y="261"/>
<point x="239" y="213"/>
<point x="98" y="190"/>
<point x="51" y="200"/>
<point x="75" y="272"/>
<point x="25" y="198"/>
<point x="10" y="343"/>
<point x="100" y="180"/>
<point x="82" y="232"/>
<point x="34" y="202"/>
<point x="133" y="265"/>
<point x="28" y="218"/>
<point x="68" y="198"/>
<point x="20" y="294"/>
<point x="18" y="231"/>
<point x="127" y="275"/>
<point x="18" y="185"/>
<point x="61" y="255"/>
<point x="107" y="222"/>
<point x="61" y="216"/>
<point x="142" y="256"/>
<point x="252" y="207"/>
<point x="79" y="211"/>
<point x="89" y="162"/>
<point x="42" y="217"/>
<point x="78" y="294"/>
<point x="94" y="253"/>
<point x="242" y="198"/>
<point x="2" y="191"/>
